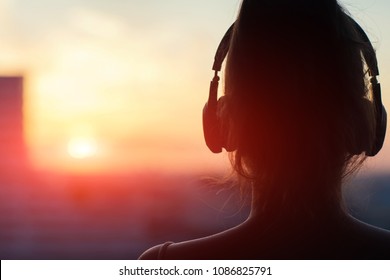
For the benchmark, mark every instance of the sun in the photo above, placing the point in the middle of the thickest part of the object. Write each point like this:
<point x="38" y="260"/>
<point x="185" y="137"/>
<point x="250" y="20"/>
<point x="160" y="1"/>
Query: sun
<point x="82" y="147"/>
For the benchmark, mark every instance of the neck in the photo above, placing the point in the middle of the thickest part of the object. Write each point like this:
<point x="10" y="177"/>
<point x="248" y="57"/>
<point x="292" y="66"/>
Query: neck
<point x="296" y="205"/>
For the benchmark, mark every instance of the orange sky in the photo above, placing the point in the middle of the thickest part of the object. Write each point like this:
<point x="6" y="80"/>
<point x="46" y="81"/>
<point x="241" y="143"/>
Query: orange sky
<point x="122" y="88"/>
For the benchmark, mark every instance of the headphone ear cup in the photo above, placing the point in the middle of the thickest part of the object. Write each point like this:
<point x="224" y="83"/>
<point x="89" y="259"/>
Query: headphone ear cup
<point x="363" y="131"/>
<point x="225" y="127"/>
<point x="380" y="132"/>
<point x="212" y="127"/>
<point x="380" y="121"/>
<point x="215" y="130"/>
<point x="371" y="142"/>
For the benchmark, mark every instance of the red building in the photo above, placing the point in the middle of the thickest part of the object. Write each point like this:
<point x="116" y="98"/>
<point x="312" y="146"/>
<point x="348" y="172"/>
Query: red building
<point x="12" y="145"/>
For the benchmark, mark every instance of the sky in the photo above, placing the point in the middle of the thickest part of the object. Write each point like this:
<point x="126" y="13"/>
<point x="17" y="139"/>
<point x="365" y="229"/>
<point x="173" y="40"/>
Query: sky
<point x="119" y="86"/>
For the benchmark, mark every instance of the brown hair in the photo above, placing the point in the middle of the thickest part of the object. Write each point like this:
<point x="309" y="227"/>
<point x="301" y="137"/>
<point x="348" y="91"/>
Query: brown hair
<point x="296" y="95"/>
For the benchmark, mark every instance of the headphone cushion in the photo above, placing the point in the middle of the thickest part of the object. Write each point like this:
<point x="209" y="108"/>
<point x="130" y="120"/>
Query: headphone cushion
<point x="380" y="132"/>
<point x="212" y="128"/>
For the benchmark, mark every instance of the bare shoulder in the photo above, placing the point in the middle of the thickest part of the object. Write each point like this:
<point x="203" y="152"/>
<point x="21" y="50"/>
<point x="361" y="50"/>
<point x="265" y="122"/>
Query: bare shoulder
<point x="367" y="241"/>
<point x="157" y="252"/>
<point x="210" y="247"/>
<point x="350" y="239"/>
<point x="196" y="249"/>
<point x="371" y="233"/>
<point x="151" y="253"/>
<point x="217" y="246"/>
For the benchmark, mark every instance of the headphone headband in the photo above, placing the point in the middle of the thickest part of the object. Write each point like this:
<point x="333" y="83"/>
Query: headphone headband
<point x="223" y="49"/>
<point x="369" y="56"/>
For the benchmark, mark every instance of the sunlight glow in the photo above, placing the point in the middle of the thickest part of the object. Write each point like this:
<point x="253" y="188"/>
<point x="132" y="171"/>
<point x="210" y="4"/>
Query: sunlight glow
<point x="81" y="147"/>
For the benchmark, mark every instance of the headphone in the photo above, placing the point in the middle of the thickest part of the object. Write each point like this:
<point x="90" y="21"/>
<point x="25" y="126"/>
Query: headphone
<point x="216" y="137"/>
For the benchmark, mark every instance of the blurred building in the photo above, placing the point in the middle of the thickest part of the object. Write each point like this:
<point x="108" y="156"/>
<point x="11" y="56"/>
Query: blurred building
<point x="12" y="144"/>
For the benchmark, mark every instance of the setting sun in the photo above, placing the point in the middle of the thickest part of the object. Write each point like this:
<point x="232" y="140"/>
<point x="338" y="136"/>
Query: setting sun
<point x="82" y="147"/>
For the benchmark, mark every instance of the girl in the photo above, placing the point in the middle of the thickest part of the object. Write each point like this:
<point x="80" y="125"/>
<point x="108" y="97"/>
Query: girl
<point x="300" y="112"/>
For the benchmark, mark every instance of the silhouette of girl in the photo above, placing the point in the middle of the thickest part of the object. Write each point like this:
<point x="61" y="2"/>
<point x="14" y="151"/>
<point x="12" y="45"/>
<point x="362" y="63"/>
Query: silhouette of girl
<point x="301" y="111"/>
